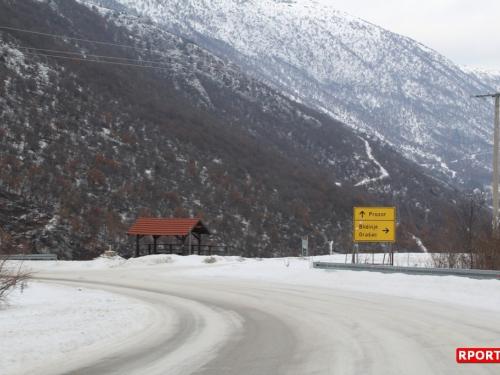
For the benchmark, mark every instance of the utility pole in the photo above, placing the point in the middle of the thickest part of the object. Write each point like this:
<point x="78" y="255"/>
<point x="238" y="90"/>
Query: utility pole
<point x="495" y="159"/>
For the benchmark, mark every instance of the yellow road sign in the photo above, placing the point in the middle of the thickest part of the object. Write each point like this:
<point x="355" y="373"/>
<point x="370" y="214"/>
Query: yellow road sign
<point x="374" y="224"/>
<point x="375" y="213"/>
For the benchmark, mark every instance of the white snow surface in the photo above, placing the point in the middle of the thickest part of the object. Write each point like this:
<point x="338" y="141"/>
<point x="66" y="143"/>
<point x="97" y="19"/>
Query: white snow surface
<point x="47" y="323"/>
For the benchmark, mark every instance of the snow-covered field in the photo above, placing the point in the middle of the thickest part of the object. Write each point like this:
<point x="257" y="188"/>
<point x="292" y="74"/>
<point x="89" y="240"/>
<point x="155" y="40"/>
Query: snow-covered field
<point x="47" y="323"/>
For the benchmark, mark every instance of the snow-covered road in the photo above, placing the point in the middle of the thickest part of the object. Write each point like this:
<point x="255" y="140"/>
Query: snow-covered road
<point x="260" y="317"/>
<point x="182" y="336"/>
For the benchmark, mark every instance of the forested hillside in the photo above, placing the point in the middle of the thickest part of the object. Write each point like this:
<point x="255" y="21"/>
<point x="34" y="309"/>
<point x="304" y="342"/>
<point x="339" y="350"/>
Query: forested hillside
<point x="157" y="126"/>
<point x="372" y="79"/>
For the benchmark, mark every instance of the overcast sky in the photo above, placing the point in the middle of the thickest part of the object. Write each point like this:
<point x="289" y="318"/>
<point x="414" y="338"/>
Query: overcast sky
<point x="465" y="31"/>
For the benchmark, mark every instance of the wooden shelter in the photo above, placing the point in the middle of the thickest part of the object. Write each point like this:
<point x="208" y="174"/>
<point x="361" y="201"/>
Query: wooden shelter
<point x="182" y="229"/>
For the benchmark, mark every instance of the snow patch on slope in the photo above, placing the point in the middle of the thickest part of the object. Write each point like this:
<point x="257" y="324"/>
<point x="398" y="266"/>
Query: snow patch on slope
<point x="420" y="244"/>
<point x="383" y="171"/>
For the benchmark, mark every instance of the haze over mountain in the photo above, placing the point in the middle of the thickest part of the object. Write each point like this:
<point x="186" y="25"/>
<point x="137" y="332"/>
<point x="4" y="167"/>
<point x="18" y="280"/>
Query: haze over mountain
<point x="371" y="79"/>
<point x="94" y="135"/>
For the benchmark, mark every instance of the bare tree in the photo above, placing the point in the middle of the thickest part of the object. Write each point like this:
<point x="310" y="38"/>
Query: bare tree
<point x="464" y="232"/>
<point x="488" y="252"/>
<point x="471" y="220"/>
<point x="12" y="275"/>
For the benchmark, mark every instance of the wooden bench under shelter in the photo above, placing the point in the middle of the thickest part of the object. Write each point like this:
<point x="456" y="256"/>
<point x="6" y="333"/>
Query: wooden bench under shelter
<point x="182" y="229"/>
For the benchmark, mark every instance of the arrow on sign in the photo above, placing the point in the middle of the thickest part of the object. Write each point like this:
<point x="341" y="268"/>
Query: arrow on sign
<point x="386" y="230"/>
<point x="362" y="213"/>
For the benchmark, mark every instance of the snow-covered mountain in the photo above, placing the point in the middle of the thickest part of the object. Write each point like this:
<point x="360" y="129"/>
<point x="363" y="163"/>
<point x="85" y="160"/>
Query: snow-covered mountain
<point x="489" y="77"/>
<point x="94" y="135"/>
<point x="373" y="80"/>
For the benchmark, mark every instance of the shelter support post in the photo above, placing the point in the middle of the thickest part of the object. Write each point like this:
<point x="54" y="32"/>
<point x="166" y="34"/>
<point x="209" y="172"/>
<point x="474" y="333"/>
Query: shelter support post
<point x="154" y="243"/>
<point x="183" y="242"/>
<point x="137" y="249"/>
<point x="198" y="238"/>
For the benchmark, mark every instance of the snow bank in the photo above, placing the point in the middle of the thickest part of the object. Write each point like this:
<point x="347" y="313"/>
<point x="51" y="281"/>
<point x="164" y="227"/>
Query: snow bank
<point x="48" y="324"/>
<point x="460" y="291"/>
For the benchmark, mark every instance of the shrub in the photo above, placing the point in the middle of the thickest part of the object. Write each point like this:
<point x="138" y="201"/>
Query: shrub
<point x="12" y="276"/>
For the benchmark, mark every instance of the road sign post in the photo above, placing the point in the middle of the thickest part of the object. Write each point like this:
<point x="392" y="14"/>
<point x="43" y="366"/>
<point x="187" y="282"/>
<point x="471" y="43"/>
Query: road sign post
<point x="374" y="224"/>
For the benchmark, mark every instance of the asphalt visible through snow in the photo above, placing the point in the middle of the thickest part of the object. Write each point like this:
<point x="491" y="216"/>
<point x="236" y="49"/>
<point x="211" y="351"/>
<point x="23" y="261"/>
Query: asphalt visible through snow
<point x="218" y="325"/>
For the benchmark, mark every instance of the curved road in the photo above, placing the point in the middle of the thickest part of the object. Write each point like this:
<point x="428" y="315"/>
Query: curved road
<point x="217" y="326"/>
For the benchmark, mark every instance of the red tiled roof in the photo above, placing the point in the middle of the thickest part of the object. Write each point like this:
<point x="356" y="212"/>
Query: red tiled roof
<point x="149" y="226"/>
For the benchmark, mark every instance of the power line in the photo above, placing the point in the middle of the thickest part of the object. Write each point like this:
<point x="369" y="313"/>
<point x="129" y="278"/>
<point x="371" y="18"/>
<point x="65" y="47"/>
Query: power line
<point x="78" y="39"/>
<point x="96" y="61"/>
<point x="88" y="60"/>
<point x="93" y="41"/>
<point x="82" y="54"/>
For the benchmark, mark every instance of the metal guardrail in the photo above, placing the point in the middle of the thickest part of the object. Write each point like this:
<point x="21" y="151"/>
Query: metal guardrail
<point x="29" y="257"/>
<point x="478" y="274"/>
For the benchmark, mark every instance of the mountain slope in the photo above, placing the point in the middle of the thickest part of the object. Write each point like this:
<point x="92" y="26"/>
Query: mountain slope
<point x="158" y="126"/>
<point x="373" y="80"/>
<point x="490" y="77"/>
